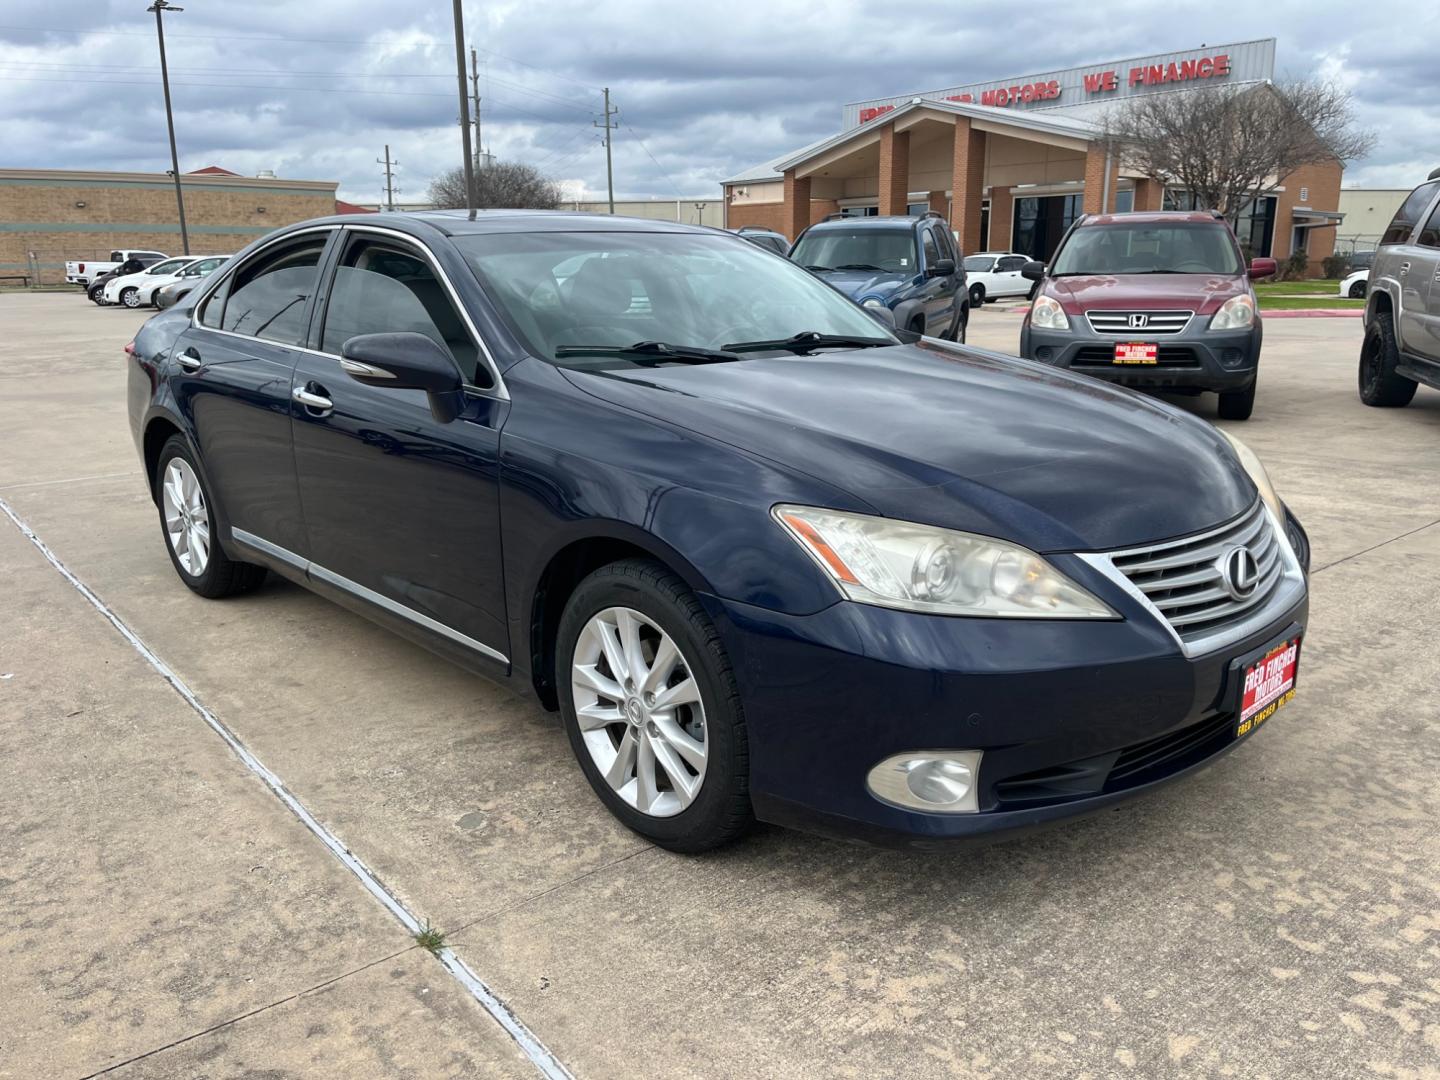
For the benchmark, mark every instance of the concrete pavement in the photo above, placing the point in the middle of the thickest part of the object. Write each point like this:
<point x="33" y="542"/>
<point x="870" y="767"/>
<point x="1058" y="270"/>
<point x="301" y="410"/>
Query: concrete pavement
<point x="1276" y="915"/>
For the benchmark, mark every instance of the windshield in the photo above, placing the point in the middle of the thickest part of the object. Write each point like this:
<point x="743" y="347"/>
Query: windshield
<point x="1197" y="248"/>
<point x="889" y="250"/>
<point x="169" y="266"/>
<point x="560" y="290"/>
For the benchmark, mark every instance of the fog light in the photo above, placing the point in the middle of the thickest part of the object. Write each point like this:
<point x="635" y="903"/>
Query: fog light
<point x="936" y="781"/>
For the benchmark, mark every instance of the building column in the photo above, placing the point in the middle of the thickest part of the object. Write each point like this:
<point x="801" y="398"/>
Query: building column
<point x="940" y="203"/>
<point x="894" y="170"/>
<point x="1095" y="181"/>
<point x="1149" y="194"/>
<point x="1002" y="216"/>
<point x="967" y="184"/>
<point x="797" y="204"/>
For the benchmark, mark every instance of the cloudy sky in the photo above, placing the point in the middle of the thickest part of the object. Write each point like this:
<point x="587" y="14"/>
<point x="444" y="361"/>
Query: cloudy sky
<point x="315" y="89"/>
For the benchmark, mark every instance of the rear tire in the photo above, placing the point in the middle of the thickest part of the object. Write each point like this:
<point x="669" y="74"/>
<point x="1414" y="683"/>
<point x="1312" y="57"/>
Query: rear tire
<point x="189" y="535"/>
<point x="1237" y="404"/>
<point x="663" y="609"/>
<point x="1380" y="385"/>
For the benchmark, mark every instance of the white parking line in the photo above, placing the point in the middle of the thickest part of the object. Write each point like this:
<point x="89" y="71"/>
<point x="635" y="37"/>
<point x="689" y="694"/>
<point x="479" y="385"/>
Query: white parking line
<point x="529" y="1044"/>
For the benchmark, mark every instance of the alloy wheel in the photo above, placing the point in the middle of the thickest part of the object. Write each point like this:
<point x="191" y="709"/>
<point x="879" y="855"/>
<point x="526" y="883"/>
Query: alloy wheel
<point x="187" y="520"/>
<point x="638" y="707"/>
<point x="131" y="298"/>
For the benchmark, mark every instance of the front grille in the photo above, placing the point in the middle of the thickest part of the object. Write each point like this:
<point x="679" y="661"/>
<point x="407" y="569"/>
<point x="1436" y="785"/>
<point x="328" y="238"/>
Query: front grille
<point x="1185" y="578"/>
<point x="1122" y="322"/>
<point x="1104" y="356"/>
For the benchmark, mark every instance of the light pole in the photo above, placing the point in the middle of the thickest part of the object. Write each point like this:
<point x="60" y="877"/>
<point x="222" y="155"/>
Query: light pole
<point x="464" y="109"/>
<point x="159" y="7"/>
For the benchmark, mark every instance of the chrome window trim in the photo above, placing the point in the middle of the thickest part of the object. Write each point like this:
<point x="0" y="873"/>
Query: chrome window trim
<point x="498" y="391"/>
<point x="1289" y="591"/>
<point x="314" y="570"/>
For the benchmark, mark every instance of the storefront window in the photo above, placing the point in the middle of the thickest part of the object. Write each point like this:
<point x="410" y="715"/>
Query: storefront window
<point x="1255" y="228"/>
<point x="1124" y="200"/>
<point x="917" y="208"/>
<point x="1040" y="222"/>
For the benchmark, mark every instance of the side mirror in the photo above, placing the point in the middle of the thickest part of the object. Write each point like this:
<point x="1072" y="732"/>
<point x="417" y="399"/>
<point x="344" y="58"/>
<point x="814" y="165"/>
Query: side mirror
<point x="1032" y="270"/>
<point x="1263" y="268"/>
<point x="406" y="361"/>
<point x="942" y="268"/>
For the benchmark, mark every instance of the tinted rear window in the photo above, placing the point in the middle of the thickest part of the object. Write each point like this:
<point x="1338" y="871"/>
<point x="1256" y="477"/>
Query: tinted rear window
<point x="1403" y="223"/>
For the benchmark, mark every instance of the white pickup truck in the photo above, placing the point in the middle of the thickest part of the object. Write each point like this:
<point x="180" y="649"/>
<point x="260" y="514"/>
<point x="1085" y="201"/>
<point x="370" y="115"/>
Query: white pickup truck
<point x="83" y="271"/>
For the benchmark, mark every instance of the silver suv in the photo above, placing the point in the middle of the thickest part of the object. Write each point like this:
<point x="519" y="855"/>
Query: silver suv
<point x="1402" y="319"/>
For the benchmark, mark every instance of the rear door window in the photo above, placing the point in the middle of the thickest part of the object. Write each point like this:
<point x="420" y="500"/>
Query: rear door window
<point x="269" y="297"/>
<point x="1410" y="212"/>
<point x="1010" y="263"/>
<point x="1430" y="234"/>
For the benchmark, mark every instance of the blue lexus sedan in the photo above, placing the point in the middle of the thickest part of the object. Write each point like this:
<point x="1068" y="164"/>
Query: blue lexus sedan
<point x="767" y="557"/>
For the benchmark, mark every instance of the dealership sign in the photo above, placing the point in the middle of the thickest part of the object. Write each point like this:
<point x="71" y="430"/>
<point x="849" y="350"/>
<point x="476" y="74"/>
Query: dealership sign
<point x="1249" y="61"/>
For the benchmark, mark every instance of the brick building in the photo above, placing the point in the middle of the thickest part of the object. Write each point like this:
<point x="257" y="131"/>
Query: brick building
<point x="1012" y="163"/>
<point x="48" y="215"/>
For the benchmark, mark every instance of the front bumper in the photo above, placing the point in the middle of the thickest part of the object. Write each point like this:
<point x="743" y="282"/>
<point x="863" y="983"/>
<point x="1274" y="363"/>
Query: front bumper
<point x="1197" y="359"/>
<point x="1071" y="716"/>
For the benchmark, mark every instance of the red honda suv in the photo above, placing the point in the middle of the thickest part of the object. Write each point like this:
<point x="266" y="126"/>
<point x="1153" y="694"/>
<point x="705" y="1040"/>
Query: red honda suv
<point x="1158" y="300"/>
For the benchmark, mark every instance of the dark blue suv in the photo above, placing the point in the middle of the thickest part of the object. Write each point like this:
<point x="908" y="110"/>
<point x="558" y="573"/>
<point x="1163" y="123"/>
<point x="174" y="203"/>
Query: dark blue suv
<point x="908" y="265"/>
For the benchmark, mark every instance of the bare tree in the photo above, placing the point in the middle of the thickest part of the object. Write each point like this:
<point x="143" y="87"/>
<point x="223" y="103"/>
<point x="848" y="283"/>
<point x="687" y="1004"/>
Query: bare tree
<point x="1227" y="146"/>
<point x="505" y="185"/>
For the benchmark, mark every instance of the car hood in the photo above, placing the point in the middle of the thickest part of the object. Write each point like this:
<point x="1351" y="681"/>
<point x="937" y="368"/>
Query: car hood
<point x="858" y="283"/>
<point x="959" y="438"/>
<point x="1201" y="293"/>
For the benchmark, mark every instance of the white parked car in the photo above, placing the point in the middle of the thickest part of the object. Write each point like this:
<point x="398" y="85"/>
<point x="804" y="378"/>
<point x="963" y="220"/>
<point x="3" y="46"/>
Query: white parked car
<point x="83" y="271"/>
<point x="138" y="290"/>
<point x="1356" y="285"/>
<point x="991" y="275"/>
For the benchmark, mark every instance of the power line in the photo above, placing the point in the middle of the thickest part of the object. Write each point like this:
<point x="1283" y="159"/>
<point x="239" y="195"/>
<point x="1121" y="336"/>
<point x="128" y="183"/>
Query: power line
<point x="668" y="178"/>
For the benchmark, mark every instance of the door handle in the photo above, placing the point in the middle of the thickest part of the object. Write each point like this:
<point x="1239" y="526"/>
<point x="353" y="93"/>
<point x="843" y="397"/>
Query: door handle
<point x="1404" y="269"/>
<point x="311" y="400"/>
<point x="189" y="359"/>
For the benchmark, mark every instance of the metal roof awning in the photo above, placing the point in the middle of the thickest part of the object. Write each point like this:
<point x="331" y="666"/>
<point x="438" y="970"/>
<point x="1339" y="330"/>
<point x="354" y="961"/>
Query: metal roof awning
<point x="1317" y="217"/>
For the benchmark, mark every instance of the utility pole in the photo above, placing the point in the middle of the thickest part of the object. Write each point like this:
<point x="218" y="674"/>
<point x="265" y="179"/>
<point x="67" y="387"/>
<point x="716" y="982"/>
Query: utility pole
<point x="159" y="7"/>
<point x="389" y="178"/>
<point x="475" y="95"/>
<point x="464" y="109"/>
<point x="609" y="167"/>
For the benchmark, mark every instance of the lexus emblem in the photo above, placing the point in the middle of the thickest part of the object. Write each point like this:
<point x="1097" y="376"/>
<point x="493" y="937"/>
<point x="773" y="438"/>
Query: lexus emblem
<point x="1139" y="321"/>
<point x="1239" y="572"/>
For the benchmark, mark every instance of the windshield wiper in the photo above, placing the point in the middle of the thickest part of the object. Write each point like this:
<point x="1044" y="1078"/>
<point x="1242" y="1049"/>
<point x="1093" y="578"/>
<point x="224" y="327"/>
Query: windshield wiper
<point x="808" y="340"/>
<point x="656" y="352"/>
<point x="813" y="266"/>
<point x="856" y="266"/>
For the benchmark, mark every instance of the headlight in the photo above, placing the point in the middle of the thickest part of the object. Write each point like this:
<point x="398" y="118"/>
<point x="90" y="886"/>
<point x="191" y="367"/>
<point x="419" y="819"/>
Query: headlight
<point x="1258" y="475"/>
<point x="921" y="568"/>
<point x="1235" y="314"/>
<point x="873" y="302"/>
<point x="1047" y="314"/>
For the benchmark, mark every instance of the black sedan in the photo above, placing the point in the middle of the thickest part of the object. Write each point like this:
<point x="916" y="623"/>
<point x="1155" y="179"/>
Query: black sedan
<point x="767" y="557"/>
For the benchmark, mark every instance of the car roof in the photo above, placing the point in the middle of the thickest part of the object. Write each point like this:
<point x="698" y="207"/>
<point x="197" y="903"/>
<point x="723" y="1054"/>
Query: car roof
<point x="1152" y="217"/>
<point x="891" y="221"/>
<point x="459" y="222"/>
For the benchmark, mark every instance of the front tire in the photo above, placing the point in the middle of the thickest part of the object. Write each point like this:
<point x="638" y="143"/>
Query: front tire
<point x="651" y="707"/>
<point x="977" y="295"/>
<point x="1237" y="404"/>
<point x="1380" y="385"/>
<point x="1357" y="291"/>
<point x="187" y="521"/>
<point x="130" y="297"/>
